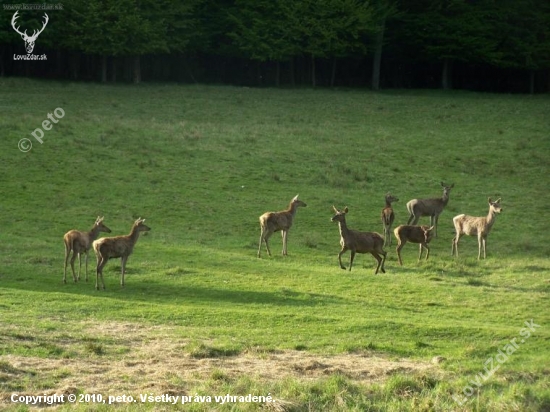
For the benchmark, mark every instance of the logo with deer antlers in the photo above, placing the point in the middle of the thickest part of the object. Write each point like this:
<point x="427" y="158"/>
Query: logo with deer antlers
<point x="29" y="40"/>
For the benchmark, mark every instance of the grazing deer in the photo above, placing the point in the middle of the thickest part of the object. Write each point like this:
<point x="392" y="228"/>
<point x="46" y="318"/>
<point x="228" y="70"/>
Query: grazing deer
<point x="117" y="247"/>
<point x="388" y="217"/>
<point x="80" y="242"/>
<point x="480" y="226"/>
<point x="414" y="234"/>
<point x="429" y="207"/>
<point x="358" y="242"/>
<point x="271" y="222"/>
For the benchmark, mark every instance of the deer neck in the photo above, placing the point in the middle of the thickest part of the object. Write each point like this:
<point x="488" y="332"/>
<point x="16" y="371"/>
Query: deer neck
<point x="134" y="235"/>
<point x="491" y="216"/>
<point x="445" y="199"/>
<point x="292" y="208"/>
<point x="343" y="228"/>
<point x="94" y="233"/>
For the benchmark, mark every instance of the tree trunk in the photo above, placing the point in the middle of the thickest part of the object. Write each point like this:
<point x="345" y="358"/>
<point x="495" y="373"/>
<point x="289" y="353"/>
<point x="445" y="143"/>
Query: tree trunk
<point x="313" y="80"/>
<point x="113" y="69"/>
<point x="103" y="69"/>
<point x="333" y="74"/>
<point x="447" y="75"/>
<point x="531" y="82"/>
<point x="137" y="70"/>
<point x="278" y="73"/>
<point x="292" y="74"/>
<point x="377" y="61"/>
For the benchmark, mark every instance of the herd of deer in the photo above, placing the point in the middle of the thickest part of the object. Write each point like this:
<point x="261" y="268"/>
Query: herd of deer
<point x="106" y="248"/>
<point x="373" y="243"/>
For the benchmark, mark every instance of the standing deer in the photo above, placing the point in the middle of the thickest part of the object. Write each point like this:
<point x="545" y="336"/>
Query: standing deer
<point x="271" y="222"/>
<point x="429" y="207"/>
<point x="80" y="242"/>
<point x="414" y="234"/>
<point x="358" y="242"/>
<point x="29" y="40"/>
<point x="480" y="226"/>
<point x="117" y="247"/>
<point x="388" y="217"/>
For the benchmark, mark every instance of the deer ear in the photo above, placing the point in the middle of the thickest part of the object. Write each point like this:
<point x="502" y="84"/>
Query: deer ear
<point x="346" y="209"/>
<point x="334" y="208"/>
<point x="498" y="200"/>
<point x="430" y="229"/>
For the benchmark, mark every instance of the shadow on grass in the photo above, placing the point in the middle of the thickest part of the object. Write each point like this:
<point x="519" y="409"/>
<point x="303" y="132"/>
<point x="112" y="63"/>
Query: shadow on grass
<point x="162" y="293"/>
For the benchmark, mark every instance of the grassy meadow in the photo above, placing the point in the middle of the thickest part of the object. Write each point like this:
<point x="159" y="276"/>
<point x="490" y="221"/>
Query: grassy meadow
<point x="201" y="315"/>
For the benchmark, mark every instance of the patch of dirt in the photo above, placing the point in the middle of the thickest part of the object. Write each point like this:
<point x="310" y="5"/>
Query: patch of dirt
<point x="154" y="360"/>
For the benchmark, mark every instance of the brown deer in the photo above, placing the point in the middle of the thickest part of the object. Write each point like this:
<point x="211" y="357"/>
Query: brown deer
<point x="414" y="234"/>
<point x="388" y="217"/>
<point x="271" y="222"/>
<point x="429" y="207"/>
<point x="117" y="247"/>
<point x="480" y="226"/>
<point x="80" y="242"/>
<point x="358" y="242"/>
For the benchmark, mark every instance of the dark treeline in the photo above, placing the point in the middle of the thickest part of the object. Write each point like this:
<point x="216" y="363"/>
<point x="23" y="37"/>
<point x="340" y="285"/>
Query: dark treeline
<point x="485" y="45"/>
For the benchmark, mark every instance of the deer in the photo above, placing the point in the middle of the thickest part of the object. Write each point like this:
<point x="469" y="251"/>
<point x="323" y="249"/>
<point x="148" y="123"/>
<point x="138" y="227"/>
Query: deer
<point x="117" y="247"/>
<point x="29" y="40"/>
<point x="429" y="207"/>
<point x="480" y="226"/>
<point x="358" y="242"/>
<point x="80" y="242"/>
<point x="388" y="216"/>
<point x="414" y="234"/>
<point x="271" y="222"/>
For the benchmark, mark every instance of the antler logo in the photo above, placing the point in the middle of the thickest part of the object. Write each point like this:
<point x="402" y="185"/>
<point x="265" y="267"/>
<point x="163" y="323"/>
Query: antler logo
<point x="29" y="40"/>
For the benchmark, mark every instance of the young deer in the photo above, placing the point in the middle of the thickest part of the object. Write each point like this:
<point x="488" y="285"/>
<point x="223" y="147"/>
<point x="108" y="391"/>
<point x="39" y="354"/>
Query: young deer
<point x="429" y="207"/>
<point x="271" y="222"/>
<point x="413" y="234"/>
<point x="480" y="226"/>
<point x="358" y="242"/>
<point x="80" y="242"/>
<point x="388" y="217"/>
<point x="117" y="247"/>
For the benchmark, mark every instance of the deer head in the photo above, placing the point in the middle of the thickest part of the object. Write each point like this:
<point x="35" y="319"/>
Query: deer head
<point x="495" y="206"/>
<point x="29" y="40"/>
<point x="428" y="233"/>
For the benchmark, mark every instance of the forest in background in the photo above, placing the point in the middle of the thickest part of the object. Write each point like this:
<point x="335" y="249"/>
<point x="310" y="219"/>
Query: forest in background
<point x="481" y="45"/>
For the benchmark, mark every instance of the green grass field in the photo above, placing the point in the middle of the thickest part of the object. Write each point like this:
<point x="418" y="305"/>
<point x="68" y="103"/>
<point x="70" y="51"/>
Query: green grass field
<point x="201" y="315"/>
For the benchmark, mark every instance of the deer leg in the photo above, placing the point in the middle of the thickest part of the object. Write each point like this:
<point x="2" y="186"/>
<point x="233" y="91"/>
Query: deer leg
<point x="484" y="247"/>
<point x="400" y="245"/>
<point x="99" y="272"/>
<point x="283" y="236"/>
<point x="420" y="255"/>
<point x="411" y="218"/>
<point x="454" y="246"/>
<point x="384" y="254"/>
<point x="344" y="249"/>
<point x="434" y="221"/>
<point x="123" y="260"/>
<point x="351" y="259"/>
<point x="67" y="252"/>
<point x="79" y="264"/>
<point x="427" y="250"/>
<point x="378" y="259"/>
<point x="73" y="257"/>
<point x="479" y="240"/>
<point x="86" y="266"/>
<point x="266" y="235"/>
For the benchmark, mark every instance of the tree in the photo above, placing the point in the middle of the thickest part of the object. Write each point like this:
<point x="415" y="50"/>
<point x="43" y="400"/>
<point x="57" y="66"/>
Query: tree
<point x="450" y="30"/>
